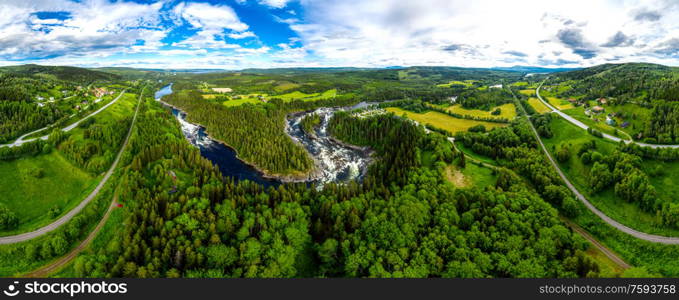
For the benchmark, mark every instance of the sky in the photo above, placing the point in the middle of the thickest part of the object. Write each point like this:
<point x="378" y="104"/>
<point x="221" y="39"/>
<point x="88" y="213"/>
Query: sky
<point x="238" y="34"/>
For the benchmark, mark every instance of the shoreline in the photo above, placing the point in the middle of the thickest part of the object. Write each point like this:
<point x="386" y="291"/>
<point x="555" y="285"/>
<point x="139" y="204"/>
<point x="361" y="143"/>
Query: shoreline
<point x="290" y="178"/>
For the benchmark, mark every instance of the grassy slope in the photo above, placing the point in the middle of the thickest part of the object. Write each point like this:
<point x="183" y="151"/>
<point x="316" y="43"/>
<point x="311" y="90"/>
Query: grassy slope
<point x="63" y="185"/>
<point x="606" y="201"/>
<point x="31" y="198"/>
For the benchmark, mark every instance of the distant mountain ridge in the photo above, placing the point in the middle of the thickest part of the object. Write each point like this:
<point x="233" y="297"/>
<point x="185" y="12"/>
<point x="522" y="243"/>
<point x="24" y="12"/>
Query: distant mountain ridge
<point x="65" y="73"/>
<point x="531" y="69"/>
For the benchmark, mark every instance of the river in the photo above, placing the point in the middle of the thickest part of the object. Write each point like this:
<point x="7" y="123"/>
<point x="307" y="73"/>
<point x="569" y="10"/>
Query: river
<point x="334" y="161"/>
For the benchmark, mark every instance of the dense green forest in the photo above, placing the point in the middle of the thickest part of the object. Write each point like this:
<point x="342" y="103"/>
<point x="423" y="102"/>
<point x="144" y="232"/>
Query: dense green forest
<point x="256" y="132"/>
<point x="180" y="217"/>
<point x="18" y="113"/>
<point x="416" y="226"/>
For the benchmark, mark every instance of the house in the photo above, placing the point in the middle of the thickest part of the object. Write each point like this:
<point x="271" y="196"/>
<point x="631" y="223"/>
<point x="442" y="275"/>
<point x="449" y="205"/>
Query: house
<point x="572" y="100"/>
<point x="598" y="109"/>
<point x="624" y="124"/>
<point x="98" y="92"/>
<point x="602" y="101"/>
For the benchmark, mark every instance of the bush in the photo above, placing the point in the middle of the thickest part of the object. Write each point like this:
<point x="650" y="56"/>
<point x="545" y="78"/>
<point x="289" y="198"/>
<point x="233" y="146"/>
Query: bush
<point x="570" y="207"/>
<point x="8" y="220"/>
<point x="563" y="154"/>
<point x="54" y="212"/>
<point x="477" y="128"/>
<point x="37" y="172"/>
<point x="586" y="158"/>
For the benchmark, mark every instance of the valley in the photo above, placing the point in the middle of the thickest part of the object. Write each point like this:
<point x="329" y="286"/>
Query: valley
<point x="343" y="173"/>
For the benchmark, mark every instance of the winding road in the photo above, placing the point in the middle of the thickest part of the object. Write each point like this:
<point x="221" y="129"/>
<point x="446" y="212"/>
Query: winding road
<point x="69" y="215"/>
<point x="20" y="141"/>
<point x="64" y="260"/>
<point x="635" y="233"/>
<point x="585" y="127"/>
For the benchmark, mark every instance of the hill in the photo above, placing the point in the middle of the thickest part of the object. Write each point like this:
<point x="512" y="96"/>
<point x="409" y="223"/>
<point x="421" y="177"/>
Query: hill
<point x="642" y="82"/>
<point x="65" y="73"/>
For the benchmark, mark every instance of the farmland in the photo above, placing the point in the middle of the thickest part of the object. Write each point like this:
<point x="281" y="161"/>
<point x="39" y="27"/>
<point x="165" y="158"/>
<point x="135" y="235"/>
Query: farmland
<point x="538" y="105"/>
<point x="442" y="121"/>
<point x="507" y="111"/>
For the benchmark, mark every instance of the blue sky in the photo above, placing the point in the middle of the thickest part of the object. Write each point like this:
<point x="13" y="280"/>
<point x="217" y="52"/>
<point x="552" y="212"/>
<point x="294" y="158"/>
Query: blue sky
<point x="236" y="34"/>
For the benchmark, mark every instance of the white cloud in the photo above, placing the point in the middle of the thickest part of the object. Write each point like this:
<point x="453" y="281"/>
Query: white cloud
<point x="241" y="35"/>
<point x="210" y="17"/>
<point x="484" y="33"/>
<point x="275" y="3"/>
<point x="212" y="21"/>
<point x="93" y="28"/>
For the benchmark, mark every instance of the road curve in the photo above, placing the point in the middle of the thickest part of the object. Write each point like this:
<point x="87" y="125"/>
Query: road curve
<point x="637" y="234"/>
<point x="585" y="127"/>
<point x="69" y="215"/>
<point x="46" y="270"/>
<point x="20" y="141"/>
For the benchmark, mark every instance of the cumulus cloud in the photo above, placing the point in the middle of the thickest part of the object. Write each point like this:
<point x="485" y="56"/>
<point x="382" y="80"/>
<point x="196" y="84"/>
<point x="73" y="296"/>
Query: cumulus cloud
<point x="275" y="3"/>
<point x="376" y="33"/>
<point x="618" y="40"/>
<point x="88" y="28"/>
<point x="647" y="15"/>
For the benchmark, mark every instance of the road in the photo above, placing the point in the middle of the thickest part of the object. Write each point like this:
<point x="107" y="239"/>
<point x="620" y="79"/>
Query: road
<point x="20" y="141"/>
<point x="637" y="234"/>
<point x="64" y="260"/>
<point x="585" y="127"/>
<point x="69" y="215"/>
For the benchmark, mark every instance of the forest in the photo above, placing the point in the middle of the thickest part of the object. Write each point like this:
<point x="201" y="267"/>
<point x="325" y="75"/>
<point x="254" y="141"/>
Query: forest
<point x="180" y="217"/>
<point x="410" y="223"/>
<point x="256" y="132"/>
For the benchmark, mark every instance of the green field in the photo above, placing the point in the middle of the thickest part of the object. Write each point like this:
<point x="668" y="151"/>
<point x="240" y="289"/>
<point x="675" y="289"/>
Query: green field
<point x="472" y="175"/>
<point x="508" y="111"/>
<point x="528" y="92"/>
<point x="62" y="185"/>
<point x="443" y="121"/>
<point x="520" y="83"/>
<point x="597" y="122"/>
<point x="624" y="212"/>
<point x="560" y="104"/>
<point x="297" y="95"/>
<point x="466" y="83"/>
<point x="538" y="105"/>
<point x="284" y="86"/>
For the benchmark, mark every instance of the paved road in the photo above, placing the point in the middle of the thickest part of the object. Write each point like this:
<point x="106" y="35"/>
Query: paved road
<point x="585" y="127"/>
<point x="45" y="271"/>
<point x="637" y="234"/>
<point x="21" y="140"/>
<point x="69" y="215"/>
